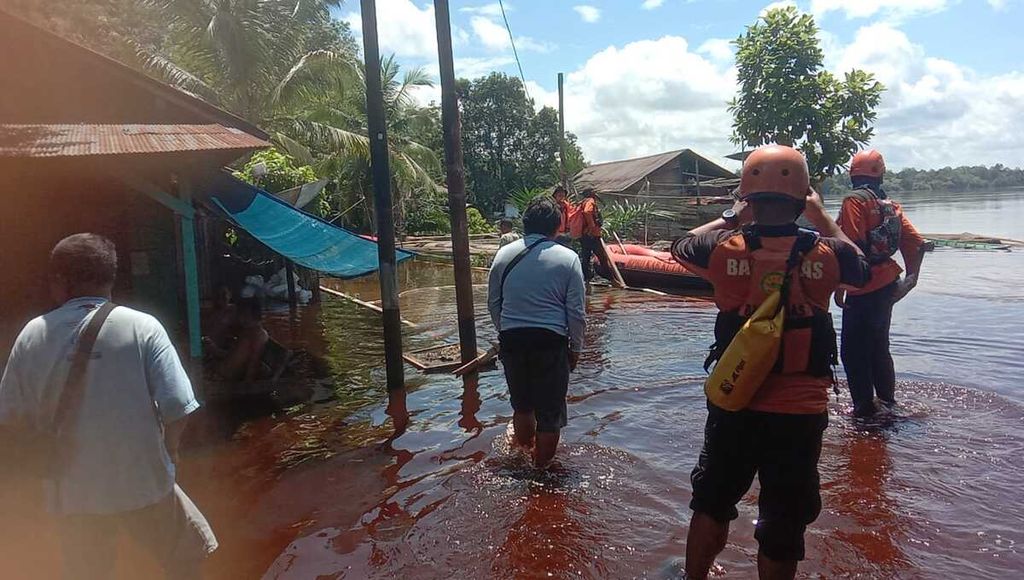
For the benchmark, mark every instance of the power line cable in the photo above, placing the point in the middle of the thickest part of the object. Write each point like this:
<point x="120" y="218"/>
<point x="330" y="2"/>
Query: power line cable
<point x="514" y="52"/>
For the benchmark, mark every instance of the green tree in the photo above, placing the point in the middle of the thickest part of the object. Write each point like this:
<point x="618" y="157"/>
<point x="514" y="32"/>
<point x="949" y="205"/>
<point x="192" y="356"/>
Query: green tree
<point x="786" y="96"/>
<point x="508" y="145"/>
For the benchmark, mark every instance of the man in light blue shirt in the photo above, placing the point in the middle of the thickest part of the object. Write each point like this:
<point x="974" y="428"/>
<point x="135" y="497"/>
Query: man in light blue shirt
<point x="536" y="298"/>
<point x="120" y="443"/>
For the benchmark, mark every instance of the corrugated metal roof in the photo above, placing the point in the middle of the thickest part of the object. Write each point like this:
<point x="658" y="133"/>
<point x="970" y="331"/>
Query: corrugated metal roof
<point x="26" y="141"/>
<point x="617" y="176"/>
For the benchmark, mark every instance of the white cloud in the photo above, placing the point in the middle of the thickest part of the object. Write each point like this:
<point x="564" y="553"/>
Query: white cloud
<point x="589" y="14"/>
<point x="652" y="4"/>
<point x="494" y="37"/>
<point x="647" y="97"/>
<point x="717" y="49"/>
<point x="936" y="112"/>
<point x="895" y="9"/>
<point x="403" y="28"/>
<point x="492" y="10"/>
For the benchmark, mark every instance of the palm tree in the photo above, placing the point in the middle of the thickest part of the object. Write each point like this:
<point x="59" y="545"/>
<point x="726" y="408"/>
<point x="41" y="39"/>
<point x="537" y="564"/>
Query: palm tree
<point x="328" y="129"/>
<point x="268" y="62"/>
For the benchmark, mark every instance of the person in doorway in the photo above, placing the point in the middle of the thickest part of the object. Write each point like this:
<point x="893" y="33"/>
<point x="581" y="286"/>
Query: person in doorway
<point x="535" y="295"/>
<point x="561" y="196"/>
<point x="117" y="447"/>
<point x="777" y="436"/>
<point x="244" y="360"/>
<point x="508" y="235"/>
<point x="222" y="321"/>
<point x="878" y="226"/>
<point x="590" y="238"/>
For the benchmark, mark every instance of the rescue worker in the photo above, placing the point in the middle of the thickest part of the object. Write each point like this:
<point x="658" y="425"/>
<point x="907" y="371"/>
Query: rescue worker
<point x="777" y="436"/>
<point x="590" y="238"/>
<point x="878" y="226"/>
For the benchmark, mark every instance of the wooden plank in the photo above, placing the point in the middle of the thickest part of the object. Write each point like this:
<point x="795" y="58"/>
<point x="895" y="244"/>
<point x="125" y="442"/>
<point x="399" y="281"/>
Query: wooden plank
<point x="362" y="303"/>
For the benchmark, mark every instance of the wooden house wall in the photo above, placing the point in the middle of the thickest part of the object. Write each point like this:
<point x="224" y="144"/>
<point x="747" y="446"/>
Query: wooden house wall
<point x="40" y="210"/>
<point x="672" y="192"/>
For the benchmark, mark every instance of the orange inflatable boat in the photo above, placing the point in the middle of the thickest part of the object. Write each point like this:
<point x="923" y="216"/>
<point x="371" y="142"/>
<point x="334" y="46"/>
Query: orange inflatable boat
<point x="643" y="267"/>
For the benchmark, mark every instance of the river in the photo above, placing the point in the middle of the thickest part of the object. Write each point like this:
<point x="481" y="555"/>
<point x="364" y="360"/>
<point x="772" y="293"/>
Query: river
<point x="311" y="491"/>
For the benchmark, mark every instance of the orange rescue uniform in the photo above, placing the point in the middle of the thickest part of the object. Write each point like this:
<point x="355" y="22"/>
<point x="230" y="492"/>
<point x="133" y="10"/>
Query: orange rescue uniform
<point x="590" y="226"/>
<point x="859" y="216"/>
<point x="744" y="269"/>
<point x="565" y="208"/>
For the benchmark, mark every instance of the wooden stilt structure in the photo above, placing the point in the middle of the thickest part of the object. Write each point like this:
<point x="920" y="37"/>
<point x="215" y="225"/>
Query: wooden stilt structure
<point x="456" y="178"/>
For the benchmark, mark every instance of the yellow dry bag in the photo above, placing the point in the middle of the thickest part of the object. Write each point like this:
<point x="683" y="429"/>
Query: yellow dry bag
<point x="753" y="352"/>
<point x="749" y="358"/>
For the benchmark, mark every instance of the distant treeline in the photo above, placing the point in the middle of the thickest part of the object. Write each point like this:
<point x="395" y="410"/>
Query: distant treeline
<point x="975" y="178"/>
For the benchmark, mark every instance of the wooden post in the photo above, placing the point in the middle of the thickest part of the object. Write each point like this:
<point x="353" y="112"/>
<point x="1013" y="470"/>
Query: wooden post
<point x="191" y="271"/>
<point x="561" y="130"/>
<point x="289" y="272"/>
<point x="452" y="127"/>
<point x="696" y="173"/>
<point x="382" y="203"/>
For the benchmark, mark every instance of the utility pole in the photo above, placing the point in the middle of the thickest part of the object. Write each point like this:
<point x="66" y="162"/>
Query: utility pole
<point x="561" y="130"/>
<point x="385" y="220"/>
<point x="456" y="174"/>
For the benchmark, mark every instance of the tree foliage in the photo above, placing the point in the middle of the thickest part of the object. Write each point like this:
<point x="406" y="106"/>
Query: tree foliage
<point x="282" y="171"/>
<point x="786" y="96"/>
<point x="958" y="179"/>
<point x="508" y="145"/>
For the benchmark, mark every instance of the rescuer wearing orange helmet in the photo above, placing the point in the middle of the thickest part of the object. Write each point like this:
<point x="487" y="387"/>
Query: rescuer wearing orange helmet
<point x="746" y="254"/>
<point x="877" y="225"/>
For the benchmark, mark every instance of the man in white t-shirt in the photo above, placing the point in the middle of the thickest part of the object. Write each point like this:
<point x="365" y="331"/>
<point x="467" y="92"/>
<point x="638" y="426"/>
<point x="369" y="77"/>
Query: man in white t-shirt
<point x="117" y="470"/>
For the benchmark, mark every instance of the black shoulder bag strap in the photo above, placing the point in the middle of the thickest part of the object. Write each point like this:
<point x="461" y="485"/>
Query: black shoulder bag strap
<point x="71" y="394"/>
<point x="508" y="269"/>
<point x="802" y="245"/>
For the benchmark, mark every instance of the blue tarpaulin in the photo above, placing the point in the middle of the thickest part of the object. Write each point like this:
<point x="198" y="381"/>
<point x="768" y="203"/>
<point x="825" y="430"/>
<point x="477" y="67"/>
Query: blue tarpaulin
<point x="301" y="237"/>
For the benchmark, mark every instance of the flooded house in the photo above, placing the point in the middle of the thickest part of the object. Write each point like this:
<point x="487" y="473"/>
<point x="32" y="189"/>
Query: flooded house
<point x="88" y="144"/>
<point x="682" y="183"/>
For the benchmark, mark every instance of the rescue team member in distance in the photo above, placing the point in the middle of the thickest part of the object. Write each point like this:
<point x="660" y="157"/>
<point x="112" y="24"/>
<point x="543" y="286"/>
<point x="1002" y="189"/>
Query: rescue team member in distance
<point x="590" y="237"/>
<point x="778" y="436"/>
<point x="565" y="209"/>
<point x="877" y="225"/>
<point x="535" y="295"/>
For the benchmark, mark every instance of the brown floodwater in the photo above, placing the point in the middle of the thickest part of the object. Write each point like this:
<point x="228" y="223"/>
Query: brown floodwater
<point x="315" y="490"/>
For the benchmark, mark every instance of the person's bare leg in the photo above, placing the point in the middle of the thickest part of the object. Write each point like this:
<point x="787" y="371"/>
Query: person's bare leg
<point x="768" y="569"/>
<point x="704" y="542"/>
<point x="524" y="427"/>
<point x="547" y="443"/>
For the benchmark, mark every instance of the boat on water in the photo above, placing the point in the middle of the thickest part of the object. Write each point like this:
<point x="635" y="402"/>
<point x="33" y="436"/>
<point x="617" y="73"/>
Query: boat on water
<point x="643" y="267"/>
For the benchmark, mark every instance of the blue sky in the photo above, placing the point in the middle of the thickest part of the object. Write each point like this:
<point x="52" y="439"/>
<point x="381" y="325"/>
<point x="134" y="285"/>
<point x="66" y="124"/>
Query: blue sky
<point x="645" y="76"/>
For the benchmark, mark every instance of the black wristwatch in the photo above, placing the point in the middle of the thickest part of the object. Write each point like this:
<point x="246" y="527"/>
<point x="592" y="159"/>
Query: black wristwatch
<point x="730" y="218"/>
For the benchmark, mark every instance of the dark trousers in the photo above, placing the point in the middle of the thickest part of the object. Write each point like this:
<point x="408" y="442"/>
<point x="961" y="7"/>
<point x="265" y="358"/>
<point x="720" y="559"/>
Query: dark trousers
<point x="590" y="246"/>
<point x="865" y="350"/>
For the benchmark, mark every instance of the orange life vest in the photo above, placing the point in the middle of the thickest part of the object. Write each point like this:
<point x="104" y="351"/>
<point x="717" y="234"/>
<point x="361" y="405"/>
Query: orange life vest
<point x="754" y="272"/>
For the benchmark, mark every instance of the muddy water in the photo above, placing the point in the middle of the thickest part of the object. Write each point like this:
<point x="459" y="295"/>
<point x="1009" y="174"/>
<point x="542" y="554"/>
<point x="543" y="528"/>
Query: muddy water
<point x="934" y="492"/>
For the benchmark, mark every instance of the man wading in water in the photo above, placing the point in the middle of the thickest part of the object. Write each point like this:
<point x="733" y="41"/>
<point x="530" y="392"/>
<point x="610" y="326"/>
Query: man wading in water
<point x="535" y="295"/>
<point x="777" y="436"/>
<point x="877" y="225"/>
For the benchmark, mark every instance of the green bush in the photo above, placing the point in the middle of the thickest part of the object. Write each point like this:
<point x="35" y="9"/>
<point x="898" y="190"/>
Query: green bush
<point x="477" y="223"/>
<point x="282" y="171"/>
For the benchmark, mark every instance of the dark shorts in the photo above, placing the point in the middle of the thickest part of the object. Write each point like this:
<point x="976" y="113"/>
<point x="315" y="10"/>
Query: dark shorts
<point x="783" y="451"/>
<point x="536" y="363"/>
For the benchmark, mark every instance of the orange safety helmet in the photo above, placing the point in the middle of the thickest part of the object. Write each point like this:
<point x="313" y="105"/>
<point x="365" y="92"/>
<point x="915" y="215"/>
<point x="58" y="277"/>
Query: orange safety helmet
<point x="868" y="163"/>
<point x="774" y="171"/>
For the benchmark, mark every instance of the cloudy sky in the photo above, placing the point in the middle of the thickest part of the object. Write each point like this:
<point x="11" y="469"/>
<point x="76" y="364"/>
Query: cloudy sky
<point x="646" y="76"/>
